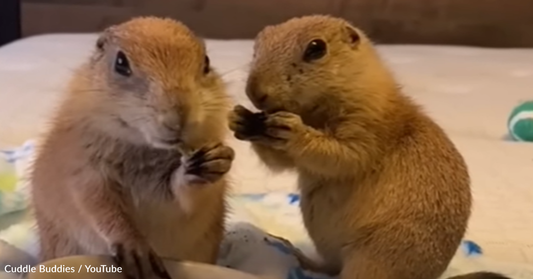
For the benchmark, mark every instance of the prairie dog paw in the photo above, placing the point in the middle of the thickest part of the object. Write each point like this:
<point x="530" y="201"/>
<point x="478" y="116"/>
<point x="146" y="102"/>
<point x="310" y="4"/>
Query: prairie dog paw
<point x="209" y="164"/>
<point x="283" y="125"/>
<point x="138" y="261"/>
<point x="282" y="130"/>
<point x="246" y="124"/>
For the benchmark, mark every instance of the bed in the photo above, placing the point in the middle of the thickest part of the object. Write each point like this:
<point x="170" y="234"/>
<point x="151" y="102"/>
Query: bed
<point x="469" y="91"/>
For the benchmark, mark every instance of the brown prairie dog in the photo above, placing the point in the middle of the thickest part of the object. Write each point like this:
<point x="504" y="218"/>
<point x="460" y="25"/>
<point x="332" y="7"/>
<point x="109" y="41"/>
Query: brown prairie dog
<point x="385" y="193"/>
<point x="110" y="177"/>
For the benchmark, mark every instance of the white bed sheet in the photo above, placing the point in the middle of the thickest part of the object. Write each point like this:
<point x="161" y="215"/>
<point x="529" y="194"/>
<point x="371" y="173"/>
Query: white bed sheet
<point x="469" y="91"/>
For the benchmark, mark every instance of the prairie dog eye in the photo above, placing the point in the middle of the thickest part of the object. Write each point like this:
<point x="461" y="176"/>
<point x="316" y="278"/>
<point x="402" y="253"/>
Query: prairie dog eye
<point x="207" y="65"/>
<point x="315" y="50"/>
<point x="122" y="65"/>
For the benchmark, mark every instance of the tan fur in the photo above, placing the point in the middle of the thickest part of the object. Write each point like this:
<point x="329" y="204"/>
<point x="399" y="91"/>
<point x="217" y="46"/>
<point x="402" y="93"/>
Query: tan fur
<point x="385" y="194"/>
<point x="104" y="176"/>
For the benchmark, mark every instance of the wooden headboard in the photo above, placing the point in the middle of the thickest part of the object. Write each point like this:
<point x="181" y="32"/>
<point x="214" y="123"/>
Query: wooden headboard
<point x="491" y="23"/>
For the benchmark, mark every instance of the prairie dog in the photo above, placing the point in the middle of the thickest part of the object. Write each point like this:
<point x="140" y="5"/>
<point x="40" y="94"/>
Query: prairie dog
<point x="384" y="192"/>
<point x="111" y="176"/>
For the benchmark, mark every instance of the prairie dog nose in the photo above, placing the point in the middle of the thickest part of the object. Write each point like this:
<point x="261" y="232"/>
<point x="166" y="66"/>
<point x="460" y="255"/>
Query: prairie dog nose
<point x="255" y="93"/>
<point x="172" y="120"/>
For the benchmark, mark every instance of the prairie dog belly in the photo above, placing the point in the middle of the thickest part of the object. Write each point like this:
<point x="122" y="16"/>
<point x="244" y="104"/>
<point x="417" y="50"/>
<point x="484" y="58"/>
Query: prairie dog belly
<point x="184" y="235"/>
<point x="164" y="225"/>
<point x="172" y="232"/>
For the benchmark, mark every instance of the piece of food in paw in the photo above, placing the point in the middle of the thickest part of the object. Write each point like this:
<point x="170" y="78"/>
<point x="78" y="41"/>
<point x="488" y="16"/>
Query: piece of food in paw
<point x="253" y="125"/>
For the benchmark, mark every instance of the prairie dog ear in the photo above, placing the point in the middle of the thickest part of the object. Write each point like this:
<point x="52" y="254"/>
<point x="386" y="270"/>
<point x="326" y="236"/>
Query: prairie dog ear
<point x="104" y="38"/>
<point x="352" y="36"/>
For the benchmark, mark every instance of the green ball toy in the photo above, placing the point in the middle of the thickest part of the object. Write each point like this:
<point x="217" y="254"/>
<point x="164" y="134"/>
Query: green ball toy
<point x="520" y="123"/>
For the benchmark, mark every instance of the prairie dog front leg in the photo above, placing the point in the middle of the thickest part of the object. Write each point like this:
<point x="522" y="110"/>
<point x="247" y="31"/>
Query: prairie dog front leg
<point x="200" y="169"/>
<point x="329" y="155"/>
<point x="275" y="160"/>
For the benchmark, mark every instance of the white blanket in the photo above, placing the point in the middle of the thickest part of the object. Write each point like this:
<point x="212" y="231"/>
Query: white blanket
<point x="262" y="236"/>
<point x="249" y="248"/>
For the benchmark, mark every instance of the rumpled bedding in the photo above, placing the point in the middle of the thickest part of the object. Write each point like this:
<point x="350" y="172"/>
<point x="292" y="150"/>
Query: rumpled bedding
<point x="263" y="235"/>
